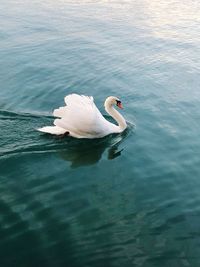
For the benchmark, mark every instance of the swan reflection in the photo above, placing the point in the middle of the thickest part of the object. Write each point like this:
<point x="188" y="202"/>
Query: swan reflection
<point x="89" y="152"/>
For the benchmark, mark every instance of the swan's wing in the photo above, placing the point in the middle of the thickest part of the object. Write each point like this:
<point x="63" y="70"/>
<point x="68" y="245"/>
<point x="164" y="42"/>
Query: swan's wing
<point x="80" y="117"/>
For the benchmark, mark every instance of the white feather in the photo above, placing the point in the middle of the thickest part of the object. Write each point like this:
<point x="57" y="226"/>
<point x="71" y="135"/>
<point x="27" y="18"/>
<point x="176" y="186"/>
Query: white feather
<point x="52" y="130"/>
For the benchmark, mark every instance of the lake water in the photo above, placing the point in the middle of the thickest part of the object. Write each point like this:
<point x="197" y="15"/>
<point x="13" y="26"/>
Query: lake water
<point x="128" y="200"/>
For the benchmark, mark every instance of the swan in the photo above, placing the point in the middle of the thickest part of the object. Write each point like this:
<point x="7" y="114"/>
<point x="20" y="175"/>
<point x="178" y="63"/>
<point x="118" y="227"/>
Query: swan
<point x="80" y="118"/>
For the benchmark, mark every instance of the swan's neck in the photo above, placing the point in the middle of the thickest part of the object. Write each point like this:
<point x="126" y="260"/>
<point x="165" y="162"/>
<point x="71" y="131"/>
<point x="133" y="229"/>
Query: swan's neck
<point x="116" y="116"/>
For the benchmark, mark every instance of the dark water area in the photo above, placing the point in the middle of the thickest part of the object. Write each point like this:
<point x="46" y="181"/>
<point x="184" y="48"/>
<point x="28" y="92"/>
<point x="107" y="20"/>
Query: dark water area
<point x="124" y="200"/>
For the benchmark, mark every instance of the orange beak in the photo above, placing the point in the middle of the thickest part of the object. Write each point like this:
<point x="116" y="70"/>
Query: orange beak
<point x="120" y="105"/>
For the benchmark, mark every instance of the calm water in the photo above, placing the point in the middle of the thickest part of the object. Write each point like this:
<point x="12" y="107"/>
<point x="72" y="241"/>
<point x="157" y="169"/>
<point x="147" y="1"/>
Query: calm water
<point x="129" y="200"/>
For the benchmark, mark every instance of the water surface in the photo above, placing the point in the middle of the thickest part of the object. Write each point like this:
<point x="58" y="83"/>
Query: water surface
<point x="128" y="200"/>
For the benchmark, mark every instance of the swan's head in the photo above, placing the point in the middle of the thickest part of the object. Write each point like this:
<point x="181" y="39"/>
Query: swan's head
<point x="111" y="101"/>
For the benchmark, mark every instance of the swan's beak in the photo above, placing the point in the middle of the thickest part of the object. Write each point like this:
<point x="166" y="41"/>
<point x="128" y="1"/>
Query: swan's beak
<point x="119" y="104"/>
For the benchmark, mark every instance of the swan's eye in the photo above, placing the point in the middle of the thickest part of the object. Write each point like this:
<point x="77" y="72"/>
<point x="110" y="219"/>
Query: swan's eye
<point x="119" y="104"/>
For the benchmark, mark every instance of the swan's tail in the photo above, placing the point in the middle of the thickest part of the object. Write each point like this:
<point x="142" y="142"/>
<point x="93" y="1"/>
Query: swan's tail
<point x="52" y="130"/>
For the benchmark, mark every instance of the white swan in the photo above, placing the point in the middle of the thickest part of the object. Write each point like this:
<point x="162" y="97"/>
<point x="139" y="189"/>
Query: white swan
<point x="81" y="118"/>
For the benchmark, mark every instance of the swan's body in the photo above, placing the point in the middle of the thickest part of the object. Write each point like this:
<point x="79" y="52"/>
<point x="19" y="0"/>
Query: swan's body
<point x="81" y="118"/>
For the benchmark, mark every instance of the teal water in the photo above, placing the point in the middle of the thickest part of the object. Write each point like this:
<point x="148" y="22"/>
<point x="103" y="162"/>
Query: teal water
<point x="128" y="200"/>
